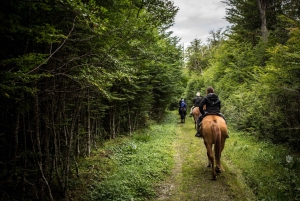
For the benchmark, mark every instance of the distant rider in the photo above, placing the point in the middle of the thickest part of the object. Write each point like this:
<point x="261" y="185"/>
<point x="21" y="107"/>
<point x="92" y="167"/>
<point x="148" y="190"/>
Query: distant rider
<point x="196" y="102"/>
<point x="183" y="105"/>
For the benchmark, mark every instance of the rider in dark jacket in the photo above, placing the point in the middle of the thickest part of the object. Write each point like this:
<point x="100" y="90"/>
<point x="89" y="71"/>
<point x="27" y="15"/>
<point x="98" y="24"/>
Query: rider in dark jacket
<point x="213" y="106"/>
<point x="196" y="102"/>
<point x="212" y="102"/>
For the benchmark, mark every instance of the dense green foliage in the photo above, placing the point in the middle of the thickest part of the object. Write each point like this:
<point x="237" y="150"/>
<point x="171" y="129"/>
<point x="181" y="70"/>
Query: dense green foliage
<point x="257" y="80"/>
<point x="75" y="73"/>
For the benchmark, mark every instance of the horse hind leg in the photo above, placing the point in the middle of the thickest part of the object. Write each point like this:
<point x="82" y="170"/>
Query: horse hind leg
<point x="211" y="161"/>
<point x="214" y="174"/>
<point x="218" y="148"/>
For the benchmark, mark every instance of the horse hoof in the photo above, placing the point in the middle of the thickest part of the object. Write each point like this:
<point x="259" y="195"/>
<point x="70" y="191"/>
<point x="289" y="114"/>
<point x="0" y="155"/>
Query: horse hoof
<point x="214" y="177"/>
<point x="218" y="170"/>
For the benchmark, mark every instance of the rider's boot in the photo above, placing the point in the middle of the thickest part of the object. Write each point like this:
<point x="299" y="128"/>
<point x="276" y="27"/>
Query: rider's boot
<point x="191" y="112"/>
<point x="198" y="134"/>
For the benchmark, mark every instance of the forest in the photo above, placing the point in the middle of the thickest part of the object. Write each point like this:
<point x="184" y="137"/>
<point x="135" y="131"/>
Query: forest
<point x="76" y="73"/>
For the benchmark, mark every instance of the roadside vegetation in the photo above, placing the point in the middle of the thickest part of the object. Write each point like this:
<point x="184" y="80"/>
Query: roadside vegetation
<point x="138" y="167"/>
<point x="271" y="171"/>
<point x="129" y="168"/>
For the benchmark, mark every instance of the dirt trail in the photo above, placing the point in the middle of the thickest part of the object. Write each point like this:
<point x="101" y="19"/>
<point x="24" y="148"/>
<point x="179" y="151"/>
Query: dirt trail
<point x="192" y="180"/>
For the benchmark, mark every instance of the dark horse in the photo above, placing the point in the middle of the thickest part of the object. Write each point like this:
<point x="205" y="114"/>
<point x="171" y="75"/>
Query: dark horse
<point x="214" y="132"/>
<point x="182" y="112"/>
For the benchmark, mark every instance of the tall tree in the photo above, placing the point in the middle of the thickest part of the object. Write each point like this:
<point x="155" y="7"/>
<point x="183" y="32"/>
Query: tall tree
<point x="244" y="18"/>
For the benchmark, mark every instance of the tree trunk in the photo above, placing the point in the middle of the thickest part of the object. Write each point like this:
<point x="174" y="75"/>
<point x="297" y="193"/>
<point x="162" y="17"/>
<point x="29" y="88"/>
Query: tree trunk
<point x="112" y="120"/>
<point x="262" y="7"/>
<point x="69" y="136"/>
<point x="37" y="143"/>
<point x="129" y="121"/>
<point x="88" y="144"/>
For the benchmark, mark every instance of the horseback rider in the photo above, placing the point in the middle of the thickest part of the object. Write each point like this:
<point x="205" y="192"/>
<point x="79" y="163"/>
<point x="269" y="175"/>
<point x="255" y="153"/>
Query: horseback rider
<point x="182" y="105"/>
<point x="196" y="102"/>
<point x="213" y="106"/>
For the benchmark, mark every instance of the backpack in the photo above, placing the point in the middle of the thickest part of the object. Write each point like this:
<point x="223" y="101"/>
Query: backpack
<point x="182" y="104"/>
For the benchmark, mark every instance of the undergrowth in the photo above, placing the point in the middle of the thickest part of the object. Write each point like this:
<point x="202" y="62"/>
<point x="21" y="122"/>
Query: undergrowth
<point x="272" y="171"/>
<point x="129" y="168"/>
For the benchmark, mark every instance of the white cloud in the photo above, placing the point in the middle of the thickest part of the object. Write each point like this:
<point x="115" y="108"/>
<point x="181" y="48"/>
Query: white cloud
<point x="196" y="18"/>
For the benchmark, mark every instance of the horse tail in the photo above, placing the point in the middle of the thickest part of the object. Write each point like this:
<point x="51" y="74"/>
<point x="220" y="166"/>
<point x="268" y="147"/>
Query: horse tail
<point x="216" y="132"/>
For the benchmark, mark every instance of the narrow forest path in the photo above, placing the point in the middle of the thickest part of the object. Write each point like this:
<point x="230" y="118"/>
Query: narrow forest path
<point x="192" y="180"/>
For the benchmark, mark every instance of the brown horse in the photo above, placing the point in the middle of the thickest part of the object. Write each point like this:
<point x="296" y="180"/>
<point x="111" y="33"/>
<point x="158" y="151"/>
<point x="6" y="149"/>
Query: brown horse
<point x="196" y="113"/>
<point x="214" y="132"/>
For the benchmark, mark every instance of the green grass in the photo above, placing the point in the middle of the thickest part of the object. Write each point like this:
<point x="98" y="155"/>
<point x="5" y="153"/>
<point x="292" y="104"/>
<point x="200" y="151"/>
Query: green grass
<point x="130" y="168"/>
<point x="264" y="167"/>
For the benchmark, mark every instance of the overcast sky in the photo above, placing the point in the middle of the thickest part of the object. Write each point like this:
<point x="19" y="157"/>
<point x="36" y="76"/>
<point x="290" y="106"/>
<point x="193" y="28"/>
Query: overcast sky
<point x="196" y="18"/>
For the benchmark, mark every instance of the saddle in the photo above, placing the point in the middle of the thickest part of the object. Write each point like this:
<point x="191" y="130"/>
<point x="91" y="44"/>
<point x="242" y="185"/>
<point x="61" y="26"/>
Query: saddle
<point x="214" y="113"/>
